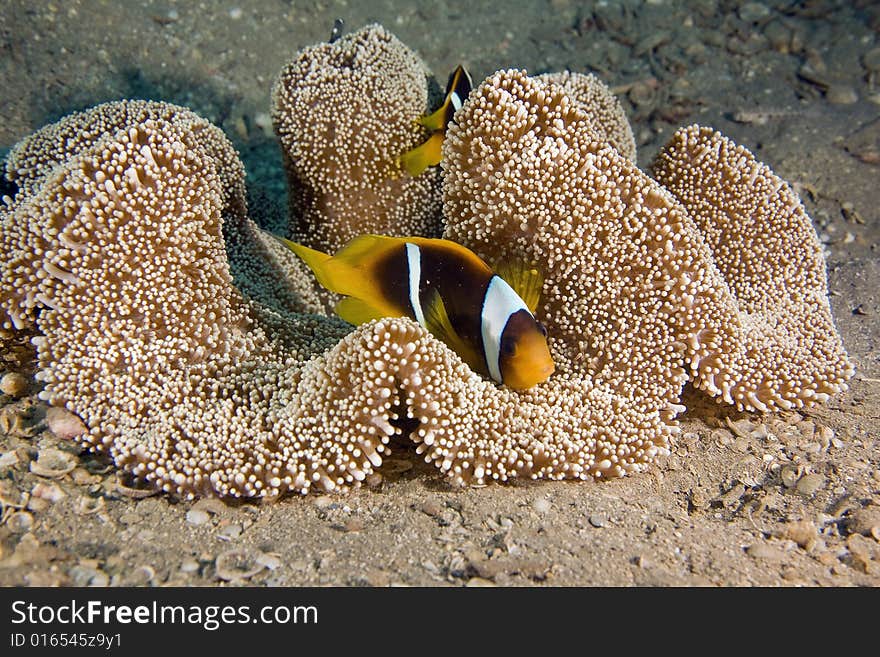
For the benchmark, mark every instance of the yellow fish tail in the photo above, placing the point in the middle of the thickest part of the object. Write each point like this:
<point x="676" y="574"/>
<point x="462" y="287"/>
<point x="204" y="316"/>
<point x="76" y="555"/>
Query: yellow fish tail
<point x="353" y="272"/>
<point x="314" y="259"/>
<point x="421" y="157"/>
<point x="437" y="120"/>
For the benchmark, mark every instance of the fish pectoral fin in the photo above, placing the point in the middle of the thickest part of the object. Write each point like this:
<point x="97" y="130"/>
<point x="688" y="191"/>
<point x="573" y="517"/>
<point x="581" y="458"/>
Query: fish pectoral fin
<point x="525" y="279"/>
<point x="437" y="119"/>
<point x="421" y="157"/>
<point x="357" y="311"/>
<point x="438" y="323"/>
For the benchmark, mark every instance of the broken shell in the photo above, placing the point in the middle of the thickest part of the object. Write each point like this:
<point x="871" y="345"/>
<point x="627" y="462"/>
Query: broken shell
<point x="53" y="463"/>
<point x="238" y="564"/>
<point x="142" y="576"/>
<point x="790" y="475"/>
<point x="90" y="505"/>
<point x="133" y="493"/>
<point x="271" y="560"/>
<point x="20" y="522"/>
<point x="13" y="384"/>
<point x="64" y="424"/>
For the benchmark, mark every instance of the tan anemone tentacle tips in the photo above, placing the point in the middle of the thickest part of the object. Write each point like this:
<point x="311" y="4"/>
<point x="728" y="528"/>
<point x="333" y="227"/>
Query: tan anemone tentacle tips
<point x="789" y="353"/>
<point x="628" y="283"/>
<point x="343" y="113"/>
<point x="255" y="257"/>
<point x="143" y="335"/>
<point x="607" y="116"/>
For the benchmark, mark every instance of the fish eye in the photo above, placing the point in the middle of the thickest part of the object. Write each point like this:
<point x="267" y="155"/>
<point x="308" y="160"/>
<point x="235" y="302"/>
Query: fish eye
<point x="542" y="328"/>
<point x="508" y="347"/>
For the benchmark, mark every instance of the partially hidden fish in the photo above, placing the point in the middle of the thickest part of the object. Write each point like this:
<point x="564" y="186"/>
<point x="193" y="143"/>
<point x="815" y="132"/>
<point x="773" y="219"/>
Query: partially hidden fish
<point x="486" y="318"/>
<point x="426" y="155"/>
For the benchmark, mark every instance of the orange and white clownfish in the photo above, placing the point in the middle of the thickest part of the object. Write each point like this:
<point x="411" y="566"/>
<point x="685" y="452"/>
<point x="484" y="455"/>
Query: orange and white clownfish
<point x="427" y="154"/>
<point x="450" y="291"/>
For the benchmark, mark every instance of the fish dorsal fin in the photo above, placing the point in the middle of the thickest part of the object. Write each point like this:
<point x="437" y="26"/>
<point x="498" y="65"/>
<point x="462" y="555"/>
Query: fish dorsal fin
<point x="357" y="311"/>
<point x="438" y="323"/>
<point x="525" y="279"/>
<point x="421" y="157"/>
<point x="457" y="89"/>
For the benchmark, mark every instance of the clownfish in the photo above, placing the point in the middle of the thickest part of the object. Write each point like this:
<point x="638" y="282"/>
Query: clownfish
<point x="451" y="292"/>
<point x="427" y="154"/>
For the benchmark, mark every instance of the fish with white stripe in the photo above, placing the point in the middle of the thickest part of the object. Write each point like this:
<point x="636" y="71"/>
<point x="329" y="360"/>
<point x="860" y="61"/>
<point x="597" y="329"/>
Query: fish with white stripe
<point x="487" y="318"/>
<point x="428" y="154"/>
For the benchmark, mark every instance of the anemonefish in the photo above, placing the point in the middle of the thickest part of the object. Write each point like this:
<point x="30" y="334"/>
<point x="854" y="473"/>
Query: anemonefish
<point x="427" y="154"/>
<point x="450" y="291"/>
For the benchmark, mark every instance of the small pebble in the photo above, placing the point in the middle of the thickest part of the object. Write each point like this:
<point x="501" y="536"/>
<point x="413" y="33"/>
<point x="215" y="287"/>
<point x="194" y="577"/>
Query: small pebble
<point x="235" y="13"/>
<point x="354" y="525"/>
<point x="189" y="566"/>
<point x="765" y="552"/>
<point x="13" y="384"/>
<point x="871" y="60"/>
<point x="64" y="424"/>
<point x="270" y="561"/>
<point x="212" y="505"/>
<point x="45" y="491"/>
<point x="752" y="12"/>
<point x="323" y="501"/>
<point x="597" y="520"/>
<point x="480" y="582"/>
<point x="8" y="459"/>
<point x="264" y="122"/>
<point x="865" y="521"/>
<point x="839" y="94"/>
<point x="197" y="517"/>
<point x="802" y="532"/>
<point x="87" y="575"/>
<point x="432" y="508"/>
<point x="142" y="576"/>
<point x="810" y="484"/>
<point x="230" y="532"/>
<point x="541" y="505"/>
<point x="37" y="505"/>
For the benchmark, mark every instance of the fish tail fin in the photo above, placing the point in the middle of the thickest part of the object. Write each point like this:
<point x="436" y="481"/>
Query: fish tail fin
<point x="436" y="120"/>
<point x="421" y="157"/>
<point x="316" y="261"/>
<point x="356" y="272"/>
